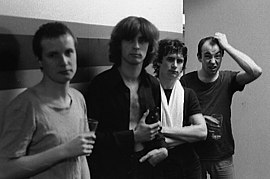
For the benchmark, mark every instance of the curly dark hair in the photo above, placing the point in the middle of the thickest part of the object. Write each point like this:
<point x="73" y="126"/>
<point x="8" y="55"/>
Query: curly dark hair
<point x="127" y="29"/>
<point x="213" y="41"/>
<point x="49" y="31"/>
<point x="169" y="46"/>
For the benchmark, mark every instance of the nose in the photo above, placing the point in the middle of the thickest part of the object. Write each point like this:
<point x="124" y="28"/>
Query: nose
<point x="63" y="60"/>
<point x="174" y="63"/>
<point x="136" y="44"/>
<point x="212" y="60"/>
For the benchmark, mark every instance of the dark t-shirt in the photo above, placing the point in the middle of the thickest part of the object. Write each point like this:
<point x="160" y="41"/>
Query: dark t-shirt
<point x="215" y="97"/>
<point x="191" y="104"/>
<point x="182" y="158"/>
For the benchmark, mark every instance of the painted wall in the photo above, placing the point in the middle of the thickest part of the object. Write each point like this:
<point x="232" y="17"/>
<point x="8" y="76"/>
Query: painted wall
<point x="246" y="24"/>
<point x="90" y="20"/>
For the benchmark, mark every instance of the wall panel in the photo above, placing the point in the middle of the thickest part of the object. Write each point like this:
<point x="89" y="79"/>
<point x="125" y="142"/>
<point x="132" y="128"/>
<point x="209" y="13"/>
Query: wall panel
<point x="19" y="68"/>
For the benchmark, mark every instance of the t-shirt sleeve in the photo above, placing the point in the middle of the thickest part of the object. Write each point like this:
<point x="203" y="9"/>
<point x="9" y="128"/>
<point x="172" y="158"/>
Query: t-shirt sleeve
<point x="17" y="129"/>
<point x="234" y="84"/>
<point x="193" y="102"/>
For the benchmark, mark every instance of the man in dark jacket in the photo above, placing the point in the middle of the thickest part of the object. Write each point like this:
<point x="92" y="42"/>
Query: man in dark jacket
<point x="120" y="99"/>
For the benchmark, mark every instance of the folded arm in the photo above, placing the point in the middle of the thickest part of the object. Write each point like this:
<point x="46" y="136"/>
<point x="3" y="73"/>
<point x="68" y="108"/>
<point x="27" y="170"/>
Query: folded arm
<point x="195" y="132"/>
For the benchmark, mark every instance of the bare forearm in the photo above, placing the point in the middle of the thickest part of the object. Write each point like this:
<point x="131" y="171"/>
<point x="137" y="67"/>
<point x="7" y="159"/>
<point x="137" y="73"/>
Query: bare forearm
<point x="251" y="69"/>
<point x="244" y="61"/>
<point x="171" y="142"/>
<point x="189" y="134"/>
<point x="27" y="166"/>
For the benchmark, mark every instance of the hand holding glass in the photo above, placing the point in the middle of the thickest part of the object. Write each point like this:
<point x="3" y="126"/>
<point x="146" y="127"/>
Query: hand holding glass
<point x="92" y="123"/>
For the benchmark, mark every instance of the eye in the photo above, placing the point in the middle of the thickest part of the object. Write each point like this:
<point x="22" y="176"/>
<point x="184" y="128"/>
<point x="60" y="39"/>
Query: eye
<point x="52" y="55"/>
<point x="142" y="40"/>
<point x="208" y="56"/>
<point x="69" y="52"/>
<point x="180" y="60"/>
<point x="170" y="59"/>
<point x="218" y="56"/>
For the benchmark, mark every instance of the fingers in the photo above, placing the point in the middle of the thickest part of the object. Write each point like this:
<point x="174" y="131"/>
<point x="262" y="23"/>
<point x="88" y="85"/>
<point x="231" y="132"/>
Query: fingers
<point x="144" y="158"/>
<point x="145" y="115"/>
<point x="88" y="142"/>
<point x="90" y="135"/>
<point x="221" y="38"/>
<point x="155" y="125"/>
<point x="148" y="155"/>
<point x="211" y="120"/>
<point x="155" y="156"/>
<point x="218" y="34"/>
<point x="153" y="130"/>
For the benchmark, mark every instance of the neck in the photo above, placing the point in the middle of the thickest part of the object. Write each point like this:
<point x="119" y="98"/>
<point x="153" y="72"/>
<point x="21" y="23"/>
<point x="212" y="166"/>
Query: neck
<point x="206" y="78"/>
<point x="130" y="73"/>
<point x="54" y="93"/>
<point x="167" y="84"/>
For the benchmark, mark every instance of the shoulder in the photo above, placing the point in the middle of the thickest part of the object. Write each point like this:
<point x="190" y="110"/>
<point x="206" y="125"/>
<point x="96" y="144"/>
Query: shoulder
<point x="102" y="76"/>
<point x="105" y="78"/>
<point x="23" y="104"/>
<point x="153" y="80"/>
<point x="191" y="101"/>
<point x="74" y="92"/>
<point x="189" y="76"/>
<point x="188" y="92"/>
<point x="190" y="79"/>
<point x="26" y="97"/>
<point x="228" y="73"/>
<point x="228" y="76"/>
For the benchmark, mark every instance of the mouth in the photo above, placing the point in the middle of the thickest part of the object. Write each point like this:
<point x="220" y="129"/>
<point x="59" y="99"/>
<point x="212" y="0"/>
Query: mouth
<point x="66" y="72"/>
<point x="136" y="55"/>
<point x="174" y="72"/>
<point x="213" y="68"/>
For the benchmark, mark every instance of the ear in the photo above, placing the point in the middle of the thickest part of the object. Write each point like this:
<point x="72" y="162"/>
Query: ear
<point x="199" y="58"/>
<point x="40" y="64"/>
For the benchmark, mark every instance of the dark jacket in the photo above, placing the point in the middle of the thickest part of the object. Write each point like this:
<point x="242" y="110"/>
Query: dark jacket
<point x="108" y="101"/>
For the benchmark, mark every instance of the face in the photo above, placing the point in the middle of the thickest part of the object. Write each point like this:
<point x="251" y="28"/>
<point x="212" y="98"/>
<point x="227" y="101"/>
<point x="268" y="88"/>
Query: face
<point x="211" y="58"/>
<point x="171" y="66"/>
<point x="59" y="59"/>
<point x="134" y="51"/>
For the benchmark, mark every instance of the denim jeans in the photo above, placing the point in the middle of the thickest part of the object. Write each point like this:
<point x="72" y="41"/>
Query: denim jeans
<point x="222" y="169"/>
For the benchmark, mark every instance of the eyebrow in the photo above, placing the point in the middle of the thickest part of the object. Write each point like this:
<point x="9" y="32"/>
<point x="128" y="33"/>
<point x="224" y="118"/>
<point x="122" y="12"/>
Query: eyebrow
<point x="175" y="57"/>
<point x="211" y="53"/>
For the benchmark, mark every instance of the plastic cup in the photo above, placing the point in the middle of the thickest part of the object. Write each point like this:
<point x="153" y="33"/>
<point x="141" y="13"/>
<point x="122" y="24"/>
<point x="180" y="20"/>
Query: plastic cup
<point x="92" y="123"/>
<point x="217" y="133"/>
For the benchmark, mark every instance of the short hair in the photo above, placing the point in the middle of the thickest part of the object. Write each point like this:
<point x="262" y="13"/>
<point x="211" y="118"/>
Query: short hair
<point x="213" y="41"/>
<point x="166" y="47"/>
<point x="49" y="30"/>
<point x="127" y="29"/>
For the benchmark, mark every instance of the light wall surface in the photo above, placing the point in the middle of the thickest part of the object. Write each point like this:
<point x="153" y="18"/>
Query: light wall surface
<point x="246" y="24"/>
<point x="167" y="17"/>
